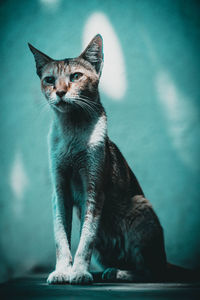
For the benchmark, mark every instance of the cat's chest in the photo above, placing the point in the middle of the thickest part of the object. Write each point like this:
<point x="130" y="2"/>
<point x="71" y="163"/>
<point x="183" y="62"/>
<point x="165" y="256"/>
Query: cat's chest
<point x="68" y="148"/>
<point x="76" y="146"/>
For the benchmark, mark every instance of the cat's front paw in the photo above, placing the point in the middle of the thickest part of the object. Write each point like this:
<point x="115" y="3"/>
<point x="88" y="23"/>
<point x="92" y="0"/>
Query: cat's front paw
<point x="59" y="277"/>
<point x="80" y="277"/>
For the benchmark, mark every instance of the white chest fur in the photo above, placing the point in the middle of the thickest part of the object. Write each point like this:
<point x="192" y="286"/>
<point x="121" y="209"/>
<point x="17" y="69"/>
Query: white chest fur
<point x="98" y="133"/>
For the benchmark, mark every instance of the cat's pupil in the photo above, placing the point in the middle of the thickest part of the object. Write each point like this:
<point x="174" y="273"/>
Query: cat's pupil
<point x="50" y="79"/>
<point x="75" y="76"/>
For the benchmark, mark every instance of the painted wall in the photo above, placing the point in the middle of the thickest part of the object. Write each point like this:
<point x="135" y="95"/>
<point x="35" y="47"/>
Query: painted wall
<point x="150" y="89"/>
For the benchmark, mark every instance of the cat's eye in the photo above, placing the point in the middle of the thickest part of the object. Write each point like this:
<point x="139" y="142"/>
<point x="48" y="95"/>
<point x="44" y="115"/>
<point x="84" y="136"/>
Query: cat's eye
<point x="75" y="76"/>
<point x="49" y="79"/>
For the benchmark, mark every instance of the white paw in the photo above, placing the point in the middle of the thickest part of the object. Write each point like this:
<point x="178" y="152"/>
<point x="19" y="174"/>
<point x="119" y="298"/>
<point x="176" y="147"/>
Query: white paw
<point x="80" y="277"/>
<point x="59" y="277"/>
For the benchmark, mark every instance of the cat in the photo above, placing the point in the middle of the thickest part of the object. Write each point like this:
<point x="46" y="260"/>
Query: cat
<point x="88" y="171"/>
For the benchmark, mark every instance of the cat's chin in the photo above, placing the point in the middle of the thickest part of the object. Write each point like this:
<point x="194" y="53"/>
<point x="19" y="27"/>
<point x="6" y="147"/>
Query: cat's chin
<point x="61" y="107"/>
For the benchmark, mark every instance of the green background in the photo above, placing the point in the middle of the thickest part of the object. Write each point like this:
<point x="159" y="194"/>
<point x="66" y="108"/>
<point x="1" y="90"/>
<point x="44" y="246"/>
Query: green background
<point x="155" y="122"/>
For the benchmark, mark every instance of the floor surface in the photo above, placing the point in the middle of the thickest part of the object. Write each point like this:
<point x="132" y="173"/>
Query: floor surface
<point x="35" y="287"/>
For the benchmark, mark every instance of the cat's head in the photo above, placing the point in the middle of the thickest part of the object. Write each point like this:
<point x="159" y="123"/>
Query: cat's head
<point x="73" y="81"/>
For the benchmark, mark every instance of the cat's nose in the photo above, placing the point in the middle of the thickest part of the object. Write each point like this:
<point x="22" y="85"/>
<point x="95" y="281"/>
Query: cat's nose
<point x="60" y="93"/>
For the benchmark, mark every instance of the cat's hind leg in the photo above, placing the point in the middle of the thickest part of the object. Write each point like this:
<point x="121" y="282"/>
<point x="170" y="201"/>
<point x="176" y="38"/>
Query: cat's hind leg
<point x="138" y="255"/>
<point x="138" y="273"/>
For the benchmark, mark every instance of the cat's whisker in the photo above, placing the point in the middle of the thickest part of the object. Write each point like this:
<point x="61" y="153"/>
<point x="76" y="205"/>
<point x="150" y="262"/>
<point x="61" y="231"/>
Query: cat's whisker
<point x="88" y="100"/>
<point x="44" y="106"/>
<point x="41" y="110"/>
<point x="92" y="106"/>
<point x="86" y="105"/>
<point x="85" y="98"/>
<point x="89" y="107"/>
<point x="41" y="105"/>
<point x="51" y="101"/>
<point x="85" y="108"/>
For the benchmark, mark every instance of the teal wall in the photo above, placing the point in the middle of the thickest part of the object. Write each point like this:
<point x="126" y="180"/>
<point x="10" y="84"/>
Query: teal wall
<point x="150" y="91"/>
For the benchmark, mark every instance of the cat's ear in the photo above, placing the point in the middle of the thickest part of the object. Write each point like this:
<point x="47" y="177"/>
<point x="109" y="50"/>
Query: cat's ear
<point x="41" y="59"/>
<point x="94" y="53"/>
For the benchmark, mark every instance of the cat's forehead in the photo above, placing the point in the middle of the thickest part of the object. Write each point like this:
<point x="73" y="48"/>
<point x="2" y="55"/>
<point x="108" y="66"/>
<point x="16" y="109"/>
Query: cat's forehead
<point x="67" y="66"/>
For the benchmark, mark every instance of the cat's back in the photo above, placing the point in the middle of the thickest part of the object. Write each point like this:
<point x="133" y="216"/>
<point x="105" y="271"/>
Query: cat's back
<point x="120" y="178"/>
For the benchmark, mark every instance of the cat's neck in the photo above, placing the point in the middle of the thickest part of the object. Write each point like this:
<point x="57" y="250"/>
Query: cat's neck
<point x="76" y="118"/>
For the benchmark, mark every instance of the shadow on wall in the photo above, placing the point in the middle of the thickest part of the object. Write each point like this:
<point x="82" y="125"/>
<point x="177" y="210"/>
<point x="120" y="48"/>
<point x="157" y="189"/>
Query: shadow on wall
<point x="150" y="89"/>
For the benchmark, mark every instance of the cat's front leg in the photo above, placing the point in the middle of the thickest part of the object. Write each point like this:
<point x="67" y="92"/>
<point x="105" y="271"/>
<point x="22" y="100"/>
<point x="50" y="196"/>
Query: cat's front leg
<point x="92" y="177"/>
<point x="62" y="218"/>
<point x="80" y="271"/>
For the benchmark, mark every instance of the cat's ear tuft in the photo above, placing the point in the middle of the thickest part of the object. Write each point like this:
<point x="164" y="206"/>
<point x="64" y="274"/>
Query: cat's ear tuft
<point x="41" y="59"/>
<point x="94" y="53"/>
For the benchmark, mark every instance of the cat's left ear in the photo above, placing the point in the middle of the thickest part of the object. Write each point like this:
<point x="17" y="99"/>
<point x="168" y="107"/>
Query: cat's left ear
<point x="41" y="59"/>
<point x="94" y="53"/>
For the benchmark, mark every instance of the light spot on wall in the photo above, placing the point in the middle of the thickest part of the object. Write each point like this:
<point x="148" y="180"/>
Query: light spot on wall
<point x="50" y="4"/>
<point x="182" y="119"/>
<point x="18" y="182"/>
<point x="113" y="82"/>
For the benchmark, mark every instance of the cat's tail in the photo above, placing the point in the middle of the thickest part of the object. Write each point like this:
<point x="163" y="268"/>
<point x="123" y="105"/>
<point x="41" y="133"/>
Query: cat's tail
<point x="178" y="274"/>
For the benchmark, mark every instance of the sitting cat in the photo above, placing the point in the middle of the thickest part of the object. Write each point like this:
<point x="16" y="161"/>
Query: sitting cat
<point x="89" y="171"/>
